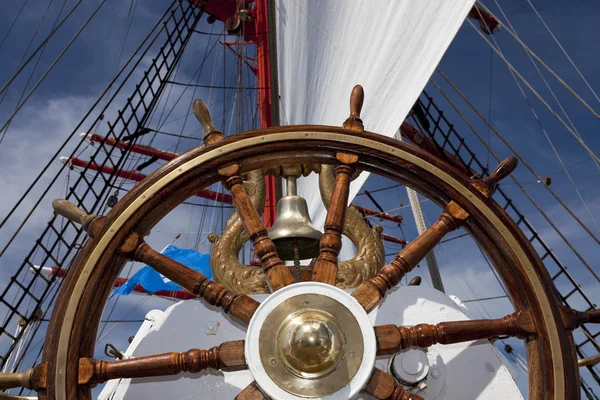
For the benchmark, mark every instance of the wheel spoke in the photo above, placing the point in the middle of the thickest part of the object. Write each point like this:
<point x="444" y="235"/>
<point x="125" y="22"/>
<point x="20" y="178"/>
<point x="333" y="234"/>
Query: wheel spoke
<point x="592" y="316"/>
<point x="238" y="305"/>
<point x="251" y="392"/>
<point x="278" y="275"/>
<point x="90" y="223"/>
<point x="573" y="319"/>
<point x="392" y="338"/>
<point x="12" y="380"/>
<point x="325" y="268"/>
<point x="229" y="356"/>
<point x="383" y="386"/>
<point x="487" y="185"/>
<point x="370" y="292"/>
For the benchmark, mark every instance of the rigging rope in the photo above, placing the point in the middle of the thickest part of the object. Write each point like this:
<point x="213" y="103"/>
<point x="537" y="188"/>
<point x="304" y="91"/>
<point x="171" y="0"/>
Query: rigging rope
<point x="546" y="217"/>
<point x="13" y="23"/>
<point x="163" y="120"/>
<point x="62" y="53"/>
<point x="131" y="14"/>
<point x="415" y="205"/>
<point x="103" y="328"/>
<point x="36" y="63"/>
<point x="379" y="190"/>
<point x="131" y="311"/>
<point x="489" y="132"/>
<point x="531" y="55"/>
<point x="514" y="151"/>
<point x="74" y="132"/>
<point x="196" y="76"/>
<point x="30" y="344"/>
<point x="447" y="259"/>
<point x="207" y="52"/>
<point x="128" y="75"/>
<point x="540" y="98"/>
<point x="534" y="55"/>
<point x="16" y="74"/>
<point x="197" y="73"/>
<point x="37" y="29"/>
<point x="564" y="51"/>
<point x="432" y="264"/>
<point x="503" y="296"/>
<point x="542" y="127"/>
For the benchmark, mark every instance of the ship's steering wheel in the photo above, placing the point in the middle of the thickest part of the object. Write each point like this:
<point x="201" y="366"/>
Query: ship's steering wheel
<point x="321" y="329"/>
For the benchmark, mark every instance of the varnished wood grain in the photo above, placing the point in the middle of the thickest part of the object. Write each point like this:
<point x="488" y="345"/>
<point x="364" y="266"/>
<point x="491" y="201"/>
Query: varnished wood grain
<point x="489" y="184"/>
<point x="227" y="357"/>
<point x="15" y="380"/>
<point x="383" y="386"/>
<point x="232" y="356"/>
<point x="277" y="273"/>
<point x="211" y="133"/>
<point x="521" y="288"/>
<point x="573" y="319"/>
<point x="372" y="291"/>
<point x="392" y="338"/>
<point x="238" y="305"/>
<point x="325" y="268"/>
<point x="90" y="223"/>
<point x="357" y="98"/>
<point x="592" y="317"/>
<point x="251" y="392"/>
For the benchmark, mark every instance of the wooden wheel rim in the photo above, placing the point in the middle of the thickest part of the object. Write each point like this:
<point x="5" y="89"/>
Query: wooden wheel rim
<point x="95" y="268"/>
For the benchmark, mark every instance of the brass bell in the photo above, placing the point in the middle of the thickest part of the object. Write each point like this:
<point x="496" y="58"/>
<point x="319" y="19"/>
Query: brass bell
<point x="293" y="226"/>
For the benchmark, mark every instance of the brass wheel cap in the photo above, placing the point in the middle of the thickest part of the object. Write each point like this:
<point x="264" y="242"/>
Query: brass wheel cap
<point x="311" y="345"/>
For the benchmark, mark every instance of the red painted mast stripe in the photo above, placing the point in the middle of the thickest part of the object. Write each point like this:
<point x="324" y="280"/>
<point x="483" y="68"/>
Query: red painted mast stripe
<point x="393" y="239"/>
<point x="174" y="294"/>
<point x="139" y="149"/>
<point x="263" y="67"/>
<point x="389" y="217"/>
<point x="136" y="176"/>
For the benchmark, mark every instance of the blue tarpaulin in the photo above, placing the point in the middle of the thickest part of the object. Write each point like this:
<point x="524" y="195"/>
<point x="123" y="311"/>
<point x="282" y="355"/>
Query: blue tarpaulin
<point x="152" y="281"/>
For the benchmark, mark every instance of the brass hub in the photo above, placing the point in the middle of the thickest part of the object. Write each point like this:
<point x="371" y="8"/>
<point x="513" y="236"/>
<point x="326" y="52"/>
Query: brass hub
<point x="311" y="345"/>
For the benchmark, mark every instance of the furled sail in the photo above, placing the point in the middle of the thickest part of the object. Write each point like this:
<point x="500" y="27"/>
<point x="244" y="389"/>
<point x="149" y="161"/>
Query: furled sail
<point x="326" y="47"/>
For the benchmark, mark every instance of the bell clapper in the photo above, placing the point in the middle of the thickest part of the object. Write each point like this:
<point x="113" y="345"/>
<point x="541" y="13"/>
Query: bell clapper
<point x="297" y="274"/>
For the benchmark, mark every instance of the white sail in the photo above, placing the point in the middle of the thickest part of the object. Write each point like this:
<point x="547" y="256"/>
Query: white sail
<point x="326" y="47"/>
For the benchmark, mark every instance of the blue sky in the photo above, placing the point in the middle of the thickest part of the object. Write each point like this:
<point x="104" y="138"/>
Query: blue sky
<point x="70" y="89"/>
